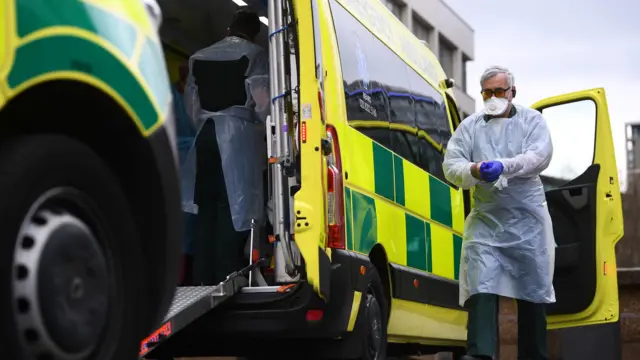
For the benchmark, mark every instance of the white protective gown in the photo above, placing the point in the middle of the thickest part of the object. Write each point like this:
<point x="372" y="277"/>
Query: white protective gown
<point x="508" y="246"/>
<point x="240" y="132"/>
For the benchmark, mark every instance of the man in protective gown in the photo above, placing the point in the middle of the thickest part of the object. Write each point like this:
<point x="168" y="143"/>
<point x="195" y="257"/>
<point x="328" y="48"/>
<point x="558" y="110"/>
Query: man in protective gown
<point x="508" y="248"/>
<point x="223" y="178"/>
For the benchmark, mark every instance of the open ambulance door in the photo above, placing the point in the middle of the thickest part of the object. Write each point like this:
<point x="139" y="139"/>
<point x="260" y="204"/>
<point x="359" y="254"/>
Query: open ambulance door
<point x="583" y="197"/>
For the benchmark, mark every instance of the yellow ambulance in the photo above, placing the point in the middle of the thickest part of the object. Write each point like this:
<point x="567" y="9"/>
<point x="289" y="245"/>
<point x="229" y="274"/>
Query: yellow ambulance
<point x="88" y="179"/>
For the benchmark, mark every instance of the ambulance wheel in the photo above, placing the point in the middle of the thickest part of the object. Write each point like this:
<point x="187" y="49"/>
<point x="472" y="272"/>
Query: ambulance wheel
<point x="371" y="325"/>
<point x="69" y="248"/>
<point x="458" y="353"/>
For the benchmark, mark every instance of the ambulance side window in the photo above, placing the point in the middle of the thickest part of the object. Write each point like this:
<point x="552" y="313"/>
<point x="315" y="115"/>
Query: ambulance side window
<point x="387" y="100"/>
<point x="402" y="116"/>
<point x="433" y="124"/>
<point x="365" y="78"/>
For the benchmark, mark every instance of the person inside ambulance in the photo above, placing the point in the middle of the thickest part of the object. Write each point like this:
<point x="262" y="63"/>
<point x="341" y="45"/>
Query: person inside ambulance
<point x="185" y="137"/>
<point x="508" y="247"/>
<point x="184" y="128"/>
<point x="227" y="99"/>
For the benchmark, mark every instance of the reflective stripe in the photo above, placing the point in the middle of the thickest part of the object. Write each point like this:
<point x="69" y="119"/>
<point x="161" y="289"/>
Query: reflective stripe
<point x="418" y="218"/>
<point x="106" y="36"/>
<point x="68" y="53"/>
<point x="34" y="15"/>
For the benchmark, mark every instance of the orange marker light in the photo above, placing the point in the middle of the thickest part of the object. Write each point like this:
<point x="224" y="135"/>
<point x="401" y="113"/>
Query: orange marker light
<point x="286" y="288"/>
<point x="303" y="131"/>
<point x="363" y="270"/>
<point x="416" y="283"/>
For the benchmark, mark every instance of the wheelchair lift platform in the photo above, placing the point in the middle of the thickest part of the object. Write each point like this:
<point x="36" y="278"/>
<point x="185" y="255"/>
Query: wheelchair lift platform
<point x="192" y="302"/>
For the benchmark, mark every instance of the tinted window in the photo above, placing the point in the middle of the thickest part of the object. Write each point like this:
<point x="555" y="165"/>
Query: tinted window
<point x="431" y="111"/>
<point x="365" y="96"/>
<point x="387" y="100"/>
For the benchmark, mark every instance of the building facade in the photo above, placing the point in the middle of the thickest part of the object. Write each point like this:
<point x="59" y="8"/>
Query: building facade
<point x="633" y="156"/>
<point x="447" y="35"/>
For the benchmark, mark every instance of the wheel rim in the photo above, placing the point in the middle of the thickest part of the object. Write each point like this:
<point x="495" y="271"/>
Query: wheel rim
<point x="374" y="336"/>
<point x="60" y="278"/>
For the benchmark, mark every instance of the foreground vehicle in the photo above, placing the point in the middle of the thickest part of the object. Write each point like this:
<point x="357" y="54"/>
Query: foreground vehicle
<point x="88" y="179"/>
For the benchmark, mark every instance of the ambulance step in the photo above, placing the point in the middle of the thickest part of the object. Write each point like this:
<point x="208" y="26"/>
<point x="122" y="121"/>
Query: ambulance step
<point x="259" y="289"/>
<point x="190" y="303"/>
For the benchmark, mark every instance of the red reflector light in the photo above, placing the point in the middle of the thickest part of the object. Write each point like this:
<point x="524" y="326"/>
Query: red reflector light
<point x="331" y="179"/>
<point x="336" y="240"/>
<point x="335" y="195"/>
<point x="314" y="315"/>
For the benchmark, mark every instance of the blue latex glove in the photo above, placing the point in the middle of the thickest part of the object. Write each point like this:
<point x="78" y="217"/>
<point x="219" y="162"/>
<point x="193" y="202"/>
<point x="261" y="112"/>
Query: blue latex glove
<point x="490" y="171"/>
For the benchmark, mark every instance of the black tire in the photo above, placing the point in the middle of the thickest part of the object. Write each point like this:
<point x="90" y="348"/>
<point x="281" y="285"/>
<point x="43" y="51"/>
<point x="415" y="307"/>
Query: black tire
<point x="458" y="353"/>
<point x="373" y="317"/>
<point x="63" y="210"/>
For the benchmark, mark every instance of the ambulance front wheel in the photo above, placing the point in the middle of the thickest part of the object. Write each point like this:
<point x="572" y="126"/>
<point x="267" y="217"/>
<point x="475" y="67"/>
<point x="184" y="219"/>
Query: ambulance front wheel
<point x="69" y="249"/>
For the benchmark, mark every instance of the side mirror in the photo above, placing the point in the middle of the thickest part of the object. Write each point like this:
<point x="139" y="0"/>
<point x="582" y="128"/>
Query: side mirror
<point x="447" y="83"/>
<point x="154" y="12"/>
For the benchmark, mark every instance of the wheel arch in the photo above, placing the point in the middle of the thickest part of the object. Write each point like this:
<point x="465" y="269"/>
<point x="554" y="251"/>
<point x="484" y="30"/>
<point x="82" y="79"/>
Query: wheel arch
<point x="379" y="259"/>
<point x="86" y="113"/>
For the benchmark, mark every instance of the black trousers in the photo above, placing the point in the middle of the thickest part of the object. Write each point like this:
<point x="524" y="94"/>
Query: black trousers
<point x="218" y="247"/>
<point x="483" y="324"/>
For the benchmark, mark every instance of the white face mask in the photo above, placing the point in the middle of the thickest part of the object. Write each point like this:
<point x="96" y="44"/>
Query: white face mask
<point x="495" y="106"/>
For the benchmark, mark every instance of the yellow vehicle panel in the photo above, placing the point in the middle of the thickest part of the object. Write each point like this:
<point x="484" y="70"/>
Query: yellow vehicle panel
<point x="386" y="191"/>
<point x="426" y="324"/>
<point x="109" y="45"/>
<point x="380" y="211"/>
<point x="310" y="213"/>
<point x="609" y="228"/>
<point x="389" y="201"/>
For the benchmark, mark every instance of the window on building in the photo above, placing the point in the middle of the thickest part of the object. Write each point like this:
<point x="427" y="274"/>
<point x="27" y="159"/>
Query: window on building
<point x="420" y="29"/>
<point x="395" y="8"/>
<point x="446" y="53"/>
<point x="463" y="77"/>
<point x="387" y="100"/>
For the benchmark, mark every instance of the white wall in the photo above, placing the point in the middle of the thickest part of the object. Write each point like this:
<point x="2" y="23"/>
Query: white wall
<point x="445" y="23"/>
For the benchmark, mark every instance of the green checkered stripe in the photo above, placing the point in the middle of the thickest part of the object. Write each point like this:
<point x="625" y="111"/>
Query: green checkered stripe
<point x="362" y="225"/>
<point x="70" y="53"/>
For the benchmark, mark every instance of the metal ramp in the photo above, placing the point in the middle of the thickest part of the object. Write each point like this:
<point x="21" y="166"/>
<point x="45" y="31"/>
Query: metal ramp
<point x="190" y="303"/>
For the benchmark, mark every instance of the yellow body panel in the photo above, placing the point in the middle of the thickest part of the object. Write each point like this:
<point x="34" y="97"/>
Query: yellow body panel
<point x="376" y="214"/>
<point x="353" y="316"/>
<point x="359" y="158"/>
<point x="309" y="200"/>
<point x="609" y="217"/>
<point x="7" y="45"/>
<point x="426" y="324"/>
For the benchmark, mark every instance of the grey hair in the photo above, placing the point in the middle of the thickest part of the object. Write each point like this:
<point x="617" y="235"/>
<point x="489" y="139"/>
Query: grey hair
<point x="494" y="71"/>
